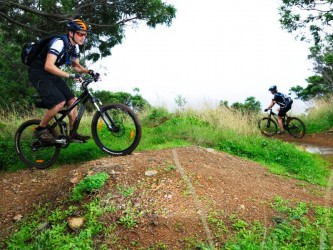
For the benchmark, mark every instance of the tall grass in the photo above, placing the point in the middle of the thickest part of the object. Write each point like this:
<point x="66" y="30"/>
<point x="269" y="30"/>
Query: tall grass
<point x="320" y="116"/>
<point x="236" y="134"/>
<point x="223" y="118"/>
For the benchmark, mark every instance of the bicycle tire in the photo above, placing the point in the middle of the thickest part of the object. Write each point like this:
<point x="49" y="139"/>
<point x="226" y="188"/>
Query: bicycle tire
<point x="121" y="142"/>
<point x="296" y="127"/>
<point x="30" y="150"/>
<point x="268" y="126"/>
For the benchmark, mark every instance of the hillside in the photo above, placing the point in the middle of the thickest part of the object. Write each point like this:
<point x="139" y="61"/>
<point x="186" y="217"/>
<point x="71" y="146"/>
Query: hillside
<point x="189" y="184"/>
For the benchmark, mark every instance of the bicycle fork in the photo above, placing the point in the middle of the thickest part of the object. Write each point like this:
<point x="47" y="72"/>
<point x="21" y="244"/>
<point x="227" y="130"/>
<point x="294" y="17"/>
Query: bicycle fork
<point x="106" y="117"/>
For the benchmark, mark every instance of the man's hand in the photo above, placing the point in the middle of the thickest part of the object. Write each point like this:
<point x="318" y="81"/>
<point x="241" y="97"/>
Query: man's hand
<point x="76" y="77"/>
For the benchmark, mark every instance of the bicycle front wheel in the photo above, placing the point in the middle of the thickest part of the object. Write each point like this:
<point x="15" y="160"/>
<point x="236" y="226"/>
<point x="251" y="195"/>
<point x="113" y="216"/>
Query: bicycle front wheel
<point x="296" y="127"/>
<point x="267" y="126"/>
<point x="116" y="129"/>
<point x="31" y="150"/>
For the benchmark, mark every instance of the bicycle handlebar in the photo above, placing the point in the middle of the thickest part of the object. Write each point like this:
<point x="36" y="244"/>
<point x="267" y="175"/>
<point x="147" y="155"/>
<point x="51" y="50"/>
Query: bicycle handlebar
<point x="94" y="78"/>
<point x="270" y="110"/>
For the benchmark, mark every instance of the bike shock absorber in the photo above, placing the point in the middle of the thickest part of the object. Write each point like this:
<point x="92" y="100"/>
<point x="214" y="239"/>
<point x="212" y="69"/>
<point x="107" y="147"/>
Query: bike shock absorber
<point x="64" y="126"/>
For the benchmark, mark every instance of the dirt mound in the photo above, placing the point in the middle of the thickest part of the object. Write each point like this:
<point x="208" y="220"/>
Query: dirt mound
<point x="187" y="183"/>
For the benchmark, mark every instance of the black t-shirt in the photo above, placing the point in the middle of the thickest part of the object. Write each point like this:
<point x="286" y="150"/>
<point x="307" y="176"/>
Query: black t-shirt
<point x="281" y="99"/>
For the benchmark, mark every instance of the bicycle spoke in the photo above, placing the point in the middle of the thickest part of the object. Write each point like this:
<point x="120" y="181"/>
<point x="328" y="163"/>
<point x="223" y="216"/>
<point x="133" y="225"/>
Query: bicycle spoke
<point x="267" y="126"/>
<point x="124" y="134"/>
<point x="31" y="151"/>
<point x="296" y="127"/>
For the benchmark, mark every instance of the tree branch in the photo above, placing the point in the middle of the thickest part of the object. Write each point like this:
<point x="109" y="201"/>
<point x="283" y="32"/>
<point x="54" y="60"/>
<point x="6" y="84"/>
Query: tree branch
<point x="115" y="24"/>
<point x="37" y="12"/>
<point x="21" y="24"/>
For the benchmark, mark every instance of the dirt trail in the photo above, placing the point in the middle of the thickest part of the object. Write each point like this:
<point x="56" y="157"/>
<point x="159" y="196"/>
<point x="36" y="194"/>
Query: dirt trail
<point x="217" y="181"/>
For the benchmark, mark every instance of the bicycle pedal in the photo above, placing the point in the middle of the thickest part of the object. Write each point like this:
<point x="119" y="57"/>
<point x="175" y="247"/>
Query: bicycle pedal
<point x="77" y="141"/>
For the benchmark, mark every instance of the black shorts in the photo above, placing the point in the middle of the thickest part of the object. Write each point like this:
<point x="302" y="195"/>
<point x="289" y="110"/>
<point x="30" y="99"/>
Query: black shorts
<point x="283" y="111"/>
<point x="52" y="89"/>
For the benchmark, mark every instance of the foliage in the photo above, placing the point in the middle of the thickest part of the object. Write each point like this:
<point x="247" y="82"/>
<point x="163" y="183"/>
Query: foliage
<point x="24" y="21"/>
<point x="311" y="21"/>
<point x="136" y="102"/>
<point x="320" y="84"/>
<point x="320" y="116"/>
<point x="180" y="101"/>
<point x="293" y="229"/>
<point x="251" y="105"/>
<point x="15" y="88"/>
<point x="49" y="230"/>
<point x="155" y="116"/>
<point x="89" y="184"/>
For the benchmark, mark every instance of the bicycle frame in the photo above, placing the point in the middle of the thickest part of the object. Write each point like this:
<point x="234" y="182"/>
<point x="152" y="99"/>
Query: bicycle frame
<point x="274" y="116"/>
<point x="83" y="99"/>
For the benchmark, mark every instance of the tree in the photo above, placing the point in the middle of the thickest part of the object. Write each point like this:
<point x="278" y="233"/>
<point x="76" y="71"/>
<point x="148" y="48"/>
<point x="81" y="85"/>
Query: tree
<point x="22" y="21"/>
<point x="251" y="105"/>
<point x="26" y="20"/>
<point x="317" y="87"/>
<point x="136" y="102"/>
<point x="310" y="20"/>
<point x="180" y="101"/>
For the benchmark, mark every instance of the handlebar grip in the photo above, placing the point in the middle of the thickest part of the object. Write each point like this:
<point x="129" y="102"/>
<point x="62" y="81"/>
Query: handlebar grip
<point x="96" y="77"/>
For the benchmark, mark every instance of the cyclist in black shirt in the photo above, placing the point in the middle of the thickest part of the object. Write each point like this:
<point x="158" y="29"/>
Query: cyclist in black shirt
<point x="46" y="76"/>
<point x="285" y="103"/>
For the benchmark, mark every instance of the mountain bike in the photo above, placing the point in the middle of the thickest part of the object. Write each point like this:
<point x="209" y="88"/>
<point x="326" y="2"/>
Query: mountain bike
<point x="269" y="125"/>
<point x="115" y="128"/>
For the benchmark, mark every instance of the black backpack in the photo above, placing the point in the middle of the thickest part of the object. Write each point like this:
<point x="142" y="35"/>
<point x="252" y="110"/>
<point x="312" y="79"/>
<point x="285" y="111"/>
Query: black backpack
<point x="32" y="50"/>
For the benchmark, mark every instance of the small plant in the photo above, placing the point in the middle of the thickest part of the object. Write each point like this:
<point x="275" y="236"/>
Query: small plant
<point x="127" y="221"/>
<point x="125" y="190"/>
<point x="170" y="168"/>
<point x="89" y="184"/>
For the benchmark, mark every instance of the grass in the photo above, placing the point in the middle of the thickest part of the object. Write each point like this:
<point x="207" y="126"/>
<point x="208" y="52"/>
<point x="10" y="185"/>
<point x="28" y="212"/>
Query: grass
<point x="207" y="130"/>
<point x="219" y="128"/>
<point x="320" y="117"/>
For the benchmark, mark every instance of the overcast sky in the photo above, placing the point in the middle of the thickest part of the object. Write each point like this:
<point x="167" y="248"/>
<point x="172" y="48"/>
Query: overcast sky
<point x="214" y="50"/>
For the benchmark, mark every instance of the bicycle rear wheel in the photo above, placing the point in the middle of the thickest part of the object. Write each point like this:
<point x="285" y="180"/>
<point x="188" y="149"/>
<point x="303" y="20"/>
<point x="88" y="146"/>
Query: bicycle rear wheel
<point x="125" y="134"/>
<point x="31" y="150"/>
<point x="296" y="127"/>
<point x="267" y="126"/>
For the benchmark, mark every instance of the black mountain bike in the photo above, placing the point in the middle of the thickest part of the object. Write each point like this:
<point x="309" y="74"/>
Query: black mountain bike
<point x="115" y="129"/>
<point x="269" y="125"/>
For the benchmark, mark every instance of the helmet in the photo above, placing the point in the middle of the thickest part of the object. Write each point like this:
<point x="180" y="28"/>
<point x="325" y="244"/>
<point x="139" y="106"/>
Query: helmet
<point x="76" y="25"/>
<point x="272" y="88"/>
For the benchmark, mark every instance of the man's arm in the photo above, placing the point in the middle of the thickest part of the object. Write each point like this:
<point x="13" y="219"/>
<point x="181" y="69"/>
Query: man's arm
<point x="79" y="68"/>
<point x="52" y="68"/>
<point x="271" y="105"/>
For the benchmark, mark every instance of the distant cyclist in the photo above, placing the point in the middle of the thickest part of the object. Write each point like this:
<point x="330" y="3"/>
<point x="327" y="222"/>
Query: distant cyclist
<point x="285" y="103"/>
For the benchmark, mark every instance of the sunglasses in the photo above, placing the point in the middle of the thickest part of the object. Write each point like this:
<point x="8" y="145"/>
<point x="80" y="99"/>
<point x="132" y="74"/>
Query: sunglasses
<point x="81" y="34"/>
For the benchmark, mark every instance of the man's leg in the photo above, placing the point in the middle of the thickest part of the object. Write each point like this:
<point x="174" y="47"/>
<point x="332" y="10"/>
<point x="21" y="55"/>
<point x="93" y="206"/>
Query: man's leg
<point x="280" y="123"/>
<point x="73" y="114"/>
<point x="50" y="113"/>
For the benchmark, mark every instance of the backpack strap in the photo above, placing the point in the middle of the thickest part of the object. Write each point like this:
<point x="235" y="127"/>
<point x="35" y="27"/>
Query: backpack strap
<point x="65" y="39"/>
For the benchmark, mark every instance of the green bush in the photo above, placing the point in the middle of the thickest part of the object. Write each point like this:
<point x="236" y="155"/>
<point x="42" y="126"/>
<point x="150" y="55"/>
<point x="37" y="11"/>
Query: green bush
<point x="89" y="184"/>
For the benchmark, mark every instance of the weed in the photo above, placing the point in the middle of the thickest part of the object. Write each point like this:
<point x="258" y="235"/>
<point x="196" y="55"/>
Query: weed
<point x="170" y="168"/>
<point x="125" y="190"/>
<point x="127" y="221"/>
<point x="89" y="184"/>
